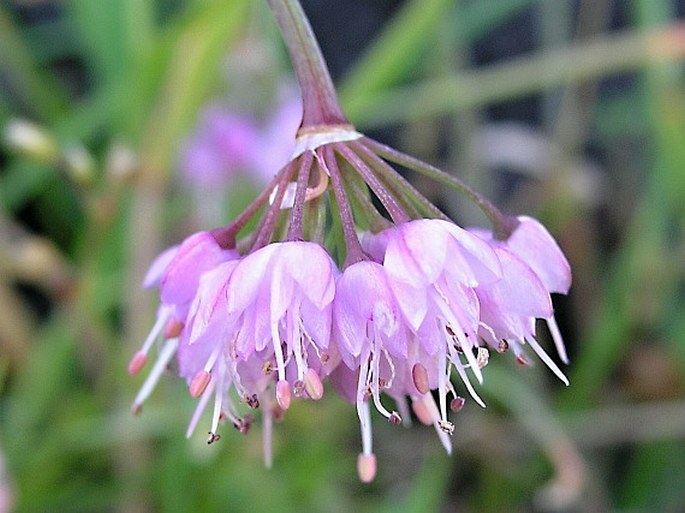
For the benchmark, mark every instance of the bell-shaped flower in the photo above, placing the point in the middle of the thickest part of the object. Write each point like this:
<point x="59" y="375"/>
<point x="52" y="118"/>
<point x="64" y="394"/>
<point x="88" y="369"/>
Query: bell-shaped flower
<point x="433" y="269"/>
<point x="280" y="297"/>
<point x="177" y="271"/>
<point x="533" y="267"/>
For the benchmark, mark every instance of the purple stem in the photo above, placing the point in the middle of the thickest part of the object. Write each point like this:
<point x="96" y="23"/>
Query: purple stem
<point x="320" y="101"/>
<point x="226" y="236"/>
<point x="503" y="225"/>
<point x="353" y="249"/>
<point x="297" y="213"/>
<point x="266" y="226"/>
<point x="396" y="213"/>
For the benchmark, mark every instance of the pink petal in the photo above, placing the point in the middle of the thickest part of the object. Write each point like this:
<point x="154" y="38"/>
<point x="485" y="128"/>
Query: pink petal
<point x="159" y="265"/>
<point x="533" y="244"/>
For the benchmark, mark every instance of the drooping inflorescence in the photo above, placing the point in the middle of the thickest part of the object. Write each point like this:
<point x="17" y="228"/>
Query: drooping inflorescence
<point x="350" y="276"/>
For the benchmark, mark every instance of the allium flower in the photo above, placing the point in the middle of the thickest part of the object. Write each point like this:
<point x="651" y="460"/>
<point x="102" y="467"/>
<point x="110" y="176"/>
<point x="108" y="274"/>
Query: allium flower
<point x="534" y="267"/>
<point x="259" y="317"/>
<point x="177" y="271"/>
<point x="281" y="297"/>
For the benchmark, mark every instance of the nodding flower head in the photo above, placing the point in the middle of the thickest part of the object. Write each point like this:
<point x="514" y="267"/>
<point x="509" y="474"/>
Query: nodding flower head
<point x="348" y="275"/>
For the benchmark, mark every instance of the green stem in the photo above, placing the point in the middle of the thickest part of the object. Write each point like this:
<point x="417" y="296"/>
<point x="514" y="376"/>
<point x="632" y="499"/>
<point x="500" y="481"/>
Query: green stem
<point x="320" y="101"/>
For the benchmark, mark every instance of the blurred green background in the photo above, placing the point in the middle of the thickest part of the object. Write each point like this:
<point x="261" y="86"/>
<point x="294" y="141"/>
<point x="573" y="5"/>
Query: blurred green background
<point x="571" y="111"/>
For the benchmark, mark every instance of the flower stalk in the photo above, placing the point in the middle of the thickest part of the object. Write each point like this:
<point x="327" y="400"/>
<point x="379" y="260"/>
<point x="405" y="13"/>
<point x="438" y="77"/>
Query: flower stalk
<point x="320" y="101"/>
<point x="350" y="276"/>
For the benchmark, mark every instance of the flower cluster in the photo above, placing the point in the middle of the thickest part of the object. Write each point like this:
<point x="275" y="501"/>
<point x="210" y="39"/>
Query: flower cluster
<point x="348" y="275"/>
<point x="351" y="276"/>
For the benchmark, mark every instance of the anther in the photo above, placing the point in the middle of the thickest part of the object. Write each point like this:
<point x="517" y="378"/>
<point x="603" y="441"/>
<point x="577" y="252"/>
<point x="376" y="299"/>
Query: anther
<point x="446" y="426"/>
<point x="503" y="346"/>
<point x="199" y="383"/>
<point x="313" y="384"/>
<point x="420" y="376"/>
<point x="325" y="357"/>
<point x="243" y="424"/>
<point x="137" y="362"/>
<point x="213" y="437"/>
<point x="298" y="388"/>
<point x="252" y="401"/>
<point x="457" y="404"/>
<point x="395" y="418"/>
<point x="283" y="394"/>
<point x="366" y="467"/>
<point x="137" y="409"/>
<point x="482" y="357"/>
<point x="267" y="368"/>
<point x="173" y="328"/>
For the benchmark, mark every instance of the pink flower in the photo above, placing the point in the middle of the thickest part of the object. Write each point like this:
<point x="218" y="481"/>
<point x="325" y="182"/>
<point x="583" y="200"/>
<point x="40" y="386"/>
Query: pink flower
<point x="178" y="272"/>
<point x="379" y="351"/>
<point x="433" y="269"/>
<point x="280" y="298"/>
<point x="533" y="267"/>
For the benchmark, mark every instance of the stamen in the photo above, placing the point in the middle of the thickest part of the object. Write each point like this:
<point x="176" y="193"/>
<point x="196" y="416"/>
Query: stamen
<point x="363" y="412"/>
<point x="137" y="362"/>
<point x="313" y="384"/>
<point x="419" y="375"/>
<point x="365" y="421"/>
<point x="243" y="424"/>
<point x="442" y="379"/>
<point x="446" y="426"/>
<point x="267" y="368"/>
<point x="432" y="416"/>
<point x="558" y="340"/>
<point x="455" y="327"/>
<point x="403" y="407"/>
<point x="283" y="394"/>
<point x="173" y="328"/>
<point x="201" y="405"/>
<point x="391" y="364"/>
<point x="375" y="388"/>
<point x="548" y="361"/>
<point x="465" y="379"/>
<point x="218" y="401"/>
<point x="483" y="357"/>
<point x="503" y="346"/>
<point x="165" y="356"/>
<point x="278" y="351"/>
<point x="162" y="316"/>
<point x="252" y="401"/>
<point x="267" y="437"/>
<point x="457" y="404"/>
<point x="298" y="388"/>
<point x="199" y="383"/>
<point x="366" y="467"/>
<point x="213" y="437"/>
